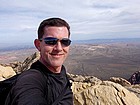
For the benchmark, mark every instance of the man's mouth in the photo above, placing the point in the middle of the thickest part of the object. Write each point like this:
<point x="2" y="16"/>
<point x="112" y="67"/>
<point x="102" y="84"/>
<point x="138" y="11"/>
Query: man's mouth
<point x="57" y="55"/>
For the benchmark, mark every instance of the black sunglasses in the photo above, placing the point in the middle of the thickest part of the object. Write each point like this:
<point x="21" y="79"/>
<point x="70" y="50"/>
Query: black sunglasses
<point x="53" y="41"/>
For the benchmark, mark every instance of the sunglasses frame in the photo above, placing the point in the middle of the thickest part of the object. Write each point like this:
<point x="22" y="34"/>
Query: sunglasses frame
<point x="53" y="41"/>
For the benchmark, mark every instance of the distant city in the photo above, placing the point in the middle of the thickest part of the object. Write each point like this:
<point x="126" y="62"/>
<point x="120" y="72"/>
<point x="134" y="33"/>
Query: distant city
<point x="10" y="47"/>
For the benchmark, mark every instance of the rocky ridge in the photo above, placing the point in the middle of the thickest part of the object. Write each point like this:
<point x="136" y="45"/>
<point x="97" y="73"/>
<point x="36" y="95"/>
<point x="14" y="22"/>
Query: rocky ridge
<point x="88" y="90"/>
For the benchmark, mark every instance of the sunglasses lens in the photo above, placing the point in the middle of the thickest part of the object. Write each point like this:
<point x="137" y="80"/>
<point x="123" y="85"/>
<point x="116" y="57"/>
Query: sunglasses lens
<point x="53" y="41"/>
<point x="66" y="41"/>
<point x="50" y="41"/>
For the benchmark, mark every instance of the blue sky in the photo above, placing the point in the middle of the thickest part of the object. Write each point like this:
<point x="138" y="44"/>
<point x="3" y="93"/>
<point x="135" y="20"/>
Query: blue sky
<point x="89" y="19"/>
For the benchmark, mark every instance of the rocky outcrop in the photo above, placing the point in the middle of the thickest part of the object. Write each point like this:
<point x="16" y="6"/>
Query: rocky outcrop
<point x="135" y="89"/>
<point x="6" y="72"/>
<point x="121" y="81"/>
<point x="106" y="93"/>
<point x="25" y="65"/>
<point x="88" y="90"/>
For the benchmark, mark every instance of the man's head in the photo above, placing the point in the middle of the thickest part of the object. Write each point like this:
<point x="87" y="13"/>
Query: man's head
<point x="58" y="22"/>
<point x="53" y="43"/>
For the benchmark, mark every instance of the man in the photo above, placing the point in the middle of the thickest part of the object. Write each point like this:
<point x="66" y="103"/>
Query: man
<point x="46" y="80"/>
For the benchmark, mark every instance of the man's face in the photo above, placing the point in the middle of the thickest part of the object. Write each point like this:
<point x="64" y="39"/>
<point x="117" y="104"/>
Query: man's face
<point x="53" y="56"/>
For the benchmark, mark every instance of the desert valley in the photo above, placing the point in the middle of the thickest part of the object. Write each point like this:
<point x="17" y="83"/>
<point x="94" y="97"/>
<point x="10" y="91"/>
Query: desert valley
<point x="100" y="60"/>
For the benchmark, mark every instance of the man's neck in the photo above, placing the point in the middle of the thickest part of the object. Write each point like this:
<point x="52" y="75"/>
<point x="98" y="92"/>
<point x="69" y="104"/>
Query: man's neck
<point x="52" y="69"/>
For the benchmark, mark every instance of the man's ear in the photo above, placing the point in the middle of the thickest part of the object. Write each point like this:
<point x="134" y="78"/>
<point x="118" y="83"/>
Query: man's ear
<point x="37" y="44"/>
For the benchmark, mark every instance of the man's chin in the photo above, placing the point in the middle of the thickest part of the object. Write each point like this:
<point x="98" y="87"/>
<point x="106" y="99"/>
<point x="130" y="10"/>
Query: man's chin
<point x="57" y="65"/>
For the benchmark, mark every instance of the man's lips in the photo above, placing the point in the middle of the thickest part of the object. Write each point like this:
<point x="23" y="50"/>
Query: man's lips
<point x="57" y="55"/>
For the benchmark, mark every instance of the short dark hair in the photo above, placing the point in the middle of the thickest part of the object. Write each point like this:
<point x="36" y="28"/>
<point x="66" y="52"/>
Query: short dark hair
<point x="58" y="22"/>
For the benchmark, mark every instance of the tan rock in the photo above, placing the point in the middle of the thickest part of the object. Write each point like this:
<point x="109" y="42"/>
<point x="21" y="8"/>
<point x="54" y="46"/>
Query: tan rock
<point x="135" y="89"/>
<point x="1" y="78"/>
<point x="93" y="80"/>
<point x="30" y="60"/>
<point x="80" y="86"/>
<point x="120" y="81"/>
<point x="25" y="65"/>
<point x="77" y="78"/>
<point x="106" y="93"/>
<point x="87" y="79"/>
<point x="6" y="72"/>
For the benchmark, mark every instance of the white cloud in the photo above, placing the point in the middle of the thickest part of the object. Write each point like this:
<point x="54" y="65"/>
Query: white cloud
<point x="88" y="18"/>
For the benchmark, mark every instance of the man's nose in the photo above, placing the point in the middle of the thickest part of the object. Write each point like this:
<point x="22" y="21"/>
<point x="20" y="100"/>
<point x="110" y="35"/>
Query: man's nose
<point x="58" y="46"/>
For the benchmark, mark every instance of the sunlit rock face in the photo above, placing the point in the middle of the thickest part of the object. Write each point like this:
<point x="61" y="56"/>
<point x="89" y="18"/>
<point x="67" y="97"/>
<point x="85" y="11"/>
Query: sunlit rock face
<point x="6" y="72"/>
<point x="106" y="93"/>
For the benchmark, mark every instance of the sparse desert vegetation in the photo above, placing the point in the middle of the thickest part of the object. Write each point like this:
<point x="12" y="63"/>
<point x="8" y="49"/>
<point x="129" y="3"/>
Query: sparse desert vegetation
<point x="100" y="60"/>
<point x="105" y="60"/>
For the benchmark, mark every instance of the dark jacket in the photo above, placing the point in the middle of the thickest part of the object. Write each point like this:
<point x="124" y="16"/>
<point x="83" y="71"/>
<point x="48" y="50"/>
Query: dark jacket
<point x="39" y="86"/>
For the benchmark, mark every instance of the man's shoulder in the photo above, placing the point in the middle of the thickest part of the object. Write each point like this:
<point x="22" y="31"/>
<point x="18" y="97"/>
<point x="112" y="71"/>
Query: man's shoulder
<point x="30" y="75"/>
<point x="30" y="72"/>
